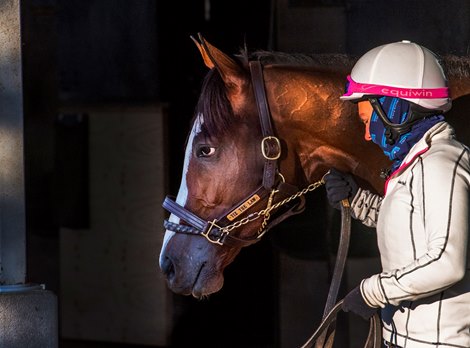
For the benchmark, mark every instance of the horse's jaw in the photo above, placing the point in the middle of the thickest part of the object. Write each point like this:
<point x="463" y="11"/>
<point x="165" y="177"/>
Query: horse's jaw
<point x="187" y="262"/>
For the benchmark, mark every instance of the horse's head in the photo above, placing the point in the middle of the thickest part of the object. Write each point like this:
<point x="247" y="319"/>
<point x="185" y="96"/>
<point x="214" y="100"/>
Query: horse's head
<point x="222" y="182"/>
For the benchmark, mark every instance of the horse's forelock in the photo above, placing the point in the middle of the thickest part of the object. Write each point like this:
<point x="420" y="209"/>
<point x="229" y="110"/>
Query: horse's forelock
<point x="214" y="106"/>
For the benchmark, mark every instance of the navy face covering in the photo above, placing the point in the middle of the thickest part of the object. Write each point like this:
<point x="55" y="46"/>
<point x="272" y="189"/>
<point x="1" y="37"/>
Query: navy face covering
<point x="397" y="111"/>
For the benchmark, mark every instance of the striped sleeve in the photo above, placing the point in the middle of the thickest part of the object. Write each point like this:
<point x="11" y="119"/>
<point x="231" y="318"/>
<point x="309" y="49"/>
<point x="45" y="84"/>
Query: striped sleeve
<point x="365" y="207"/>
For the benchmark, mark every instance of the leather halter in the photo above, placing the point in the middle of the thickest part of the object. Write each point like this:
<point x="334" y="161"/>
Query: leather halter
<point x="216" y="231"/>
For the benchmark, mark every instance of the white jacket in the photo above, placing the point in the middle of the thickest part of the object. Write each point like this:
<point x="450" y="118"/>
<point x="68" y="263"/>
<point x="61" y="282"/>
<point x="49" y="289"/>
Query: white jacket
<point x="422" y="232"/>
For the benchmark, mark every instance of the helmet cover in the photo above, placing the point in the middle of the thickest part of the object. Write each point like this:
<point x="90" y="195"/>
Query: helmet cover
<point x="403" y="70"/>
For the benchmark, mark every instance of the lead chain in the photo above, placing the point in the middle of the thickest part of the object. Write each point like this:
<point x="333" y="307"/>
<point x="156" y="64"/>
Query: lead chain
<point x="266" y="212"/>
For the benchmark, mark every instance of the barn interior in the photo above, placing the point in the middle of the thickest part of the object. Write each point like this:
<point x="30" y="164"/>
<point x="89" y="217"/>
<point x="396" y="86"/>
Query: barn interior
<point x="105" y="94"/>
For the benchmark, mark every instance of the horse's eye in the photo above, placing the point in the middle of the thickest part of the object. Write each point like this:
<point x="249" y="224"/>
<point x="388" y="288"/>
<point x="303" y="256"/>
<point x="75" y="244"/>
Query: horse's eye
<point x="205" y="151"/>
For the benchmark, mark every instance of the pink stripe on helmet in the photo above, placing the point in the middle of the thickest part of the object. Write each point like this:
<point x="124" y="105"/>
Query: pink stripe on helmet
<point x="410" y="93"/>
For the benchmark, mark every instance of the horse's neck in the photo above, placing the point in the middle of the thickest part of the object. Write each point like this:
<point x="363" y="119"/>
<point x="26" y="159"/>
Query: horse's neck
<point x="459" y="86"/>
<point x="329" y="135"/>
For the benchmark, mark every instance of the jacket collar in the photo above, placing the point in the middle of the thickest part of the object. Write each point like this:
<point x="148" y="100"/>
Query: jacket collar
<point x="441" y="130"/>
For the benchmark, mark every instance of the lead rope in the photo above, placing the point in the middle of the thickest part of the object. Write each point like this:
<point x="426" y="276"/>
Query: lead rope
<point x="323" y="337"/>
<point x="329" y="313"/>
<point x="341" y="256"/>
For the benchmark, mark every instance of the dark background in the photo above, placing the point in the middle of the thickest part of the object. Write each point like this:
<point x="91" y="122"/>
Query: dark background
<point x="136" y="52"/>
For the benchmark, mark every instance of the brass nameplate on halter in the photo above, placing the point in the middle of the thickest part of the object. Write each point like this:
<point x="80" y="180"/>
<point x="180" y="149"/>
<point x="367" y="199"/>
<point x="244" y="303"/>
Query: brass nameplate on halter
<point x="243" y="207"/>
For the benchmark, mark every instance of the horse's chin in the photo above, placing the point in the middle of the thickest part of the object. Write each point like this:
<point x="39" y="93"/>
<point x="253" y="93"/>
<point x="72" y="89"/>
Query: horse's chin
<point x="203" y="287"/>
<point x="201" y="294"/>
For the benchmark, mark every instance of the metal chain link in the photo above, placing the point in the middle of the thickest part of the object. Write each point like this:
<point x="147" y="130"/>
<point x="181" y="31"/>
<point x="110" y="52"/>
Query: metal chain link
<point x="266" y="212"/>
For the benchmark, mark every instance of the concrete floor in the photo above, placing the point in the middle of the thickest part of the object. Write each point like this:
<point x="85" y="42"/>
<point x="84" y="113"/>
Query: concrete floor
<point x="93" y="344"/>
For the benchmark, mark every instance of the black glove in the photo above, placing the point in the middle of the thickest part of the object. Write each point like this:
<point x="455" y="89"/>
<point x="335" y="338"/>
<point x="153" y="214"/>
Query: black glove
<point x="339" y="186"/>
<point x="354" y="302"/>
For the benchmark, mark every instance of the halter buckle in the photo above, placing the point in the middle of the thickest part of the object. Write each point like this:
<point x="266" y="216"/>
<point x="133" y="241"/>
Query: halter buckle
<point x="266" y="145"/>
<point x="213" y="224"/>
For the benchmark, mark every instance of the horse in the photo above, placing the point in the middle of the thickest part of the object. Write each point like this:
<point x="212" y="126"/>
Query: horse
<point x="266" y="128"/>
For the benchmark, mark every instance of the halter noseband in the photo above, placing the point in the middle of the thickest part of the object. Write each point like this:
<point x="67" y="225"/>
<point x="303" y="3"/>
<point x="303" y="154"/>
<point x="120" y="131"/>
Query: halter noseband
<point x="218" y="230"/>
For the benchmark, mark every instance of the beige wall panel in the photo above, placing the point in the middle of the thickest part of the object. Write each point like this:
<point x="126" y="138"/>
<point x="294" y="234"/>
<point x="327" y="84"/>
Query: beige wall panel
<point x="111" y="286"/>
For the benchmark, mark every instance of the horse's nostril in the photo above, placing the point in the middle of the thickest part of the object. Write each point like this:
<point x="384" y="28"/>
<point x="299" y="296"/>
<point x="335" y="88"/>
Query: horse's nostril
<point x="168" y="268"/>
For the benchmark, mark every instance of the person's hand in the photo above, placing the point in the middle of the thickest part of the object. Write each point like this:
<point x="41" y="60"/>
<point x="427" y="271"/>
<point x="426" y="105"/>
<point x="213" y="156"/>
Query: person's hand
<point x="354" y="302"/>
<point x="339" y="186"/>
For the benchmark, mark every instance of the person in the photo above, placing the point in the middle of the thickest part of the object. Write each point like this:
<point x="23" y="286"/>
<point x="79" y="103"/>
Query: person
<point x="421" y="220"/>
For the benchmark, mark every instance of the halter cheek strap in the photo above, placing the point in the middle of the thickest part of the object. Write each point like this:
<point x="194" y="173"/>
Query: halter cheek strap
<point x="270" y="145"/>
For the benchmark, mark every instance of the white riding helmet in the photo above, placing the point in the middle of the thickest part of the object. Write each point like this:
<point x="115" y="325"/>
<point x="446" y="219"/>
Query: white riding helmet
<point x="401" y="69"/>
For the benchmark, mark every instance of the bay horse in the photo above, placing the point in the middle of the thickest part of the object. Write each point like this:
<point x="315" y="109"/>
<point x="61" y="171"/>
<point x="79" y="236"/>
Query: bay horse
<point x="266" y="129"/>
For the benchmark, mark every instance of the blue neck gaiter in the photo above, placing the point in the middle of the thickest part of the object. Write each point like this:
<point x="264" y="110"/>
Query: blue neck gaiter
<point x="397" y="111"/>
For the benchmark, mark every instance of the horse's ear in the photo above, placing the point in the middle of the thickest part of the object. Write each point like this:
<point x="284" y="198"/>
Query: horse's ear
<point x="207" y="60"/>
<point x="213" y="57"/>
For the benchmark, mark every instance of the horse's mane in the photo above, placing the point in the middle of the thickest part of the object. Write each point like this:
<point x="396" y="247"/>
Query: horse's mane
<point x="336" y="61"/>
<point x="456" y="66"/>
<point x="214" y="104"/>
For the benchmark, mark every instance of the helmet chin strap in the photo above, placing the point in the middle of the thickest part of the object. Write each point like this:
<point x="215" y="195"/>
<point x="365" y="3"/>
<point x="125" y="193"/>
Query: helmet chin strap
<point x="393" y="131"/>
